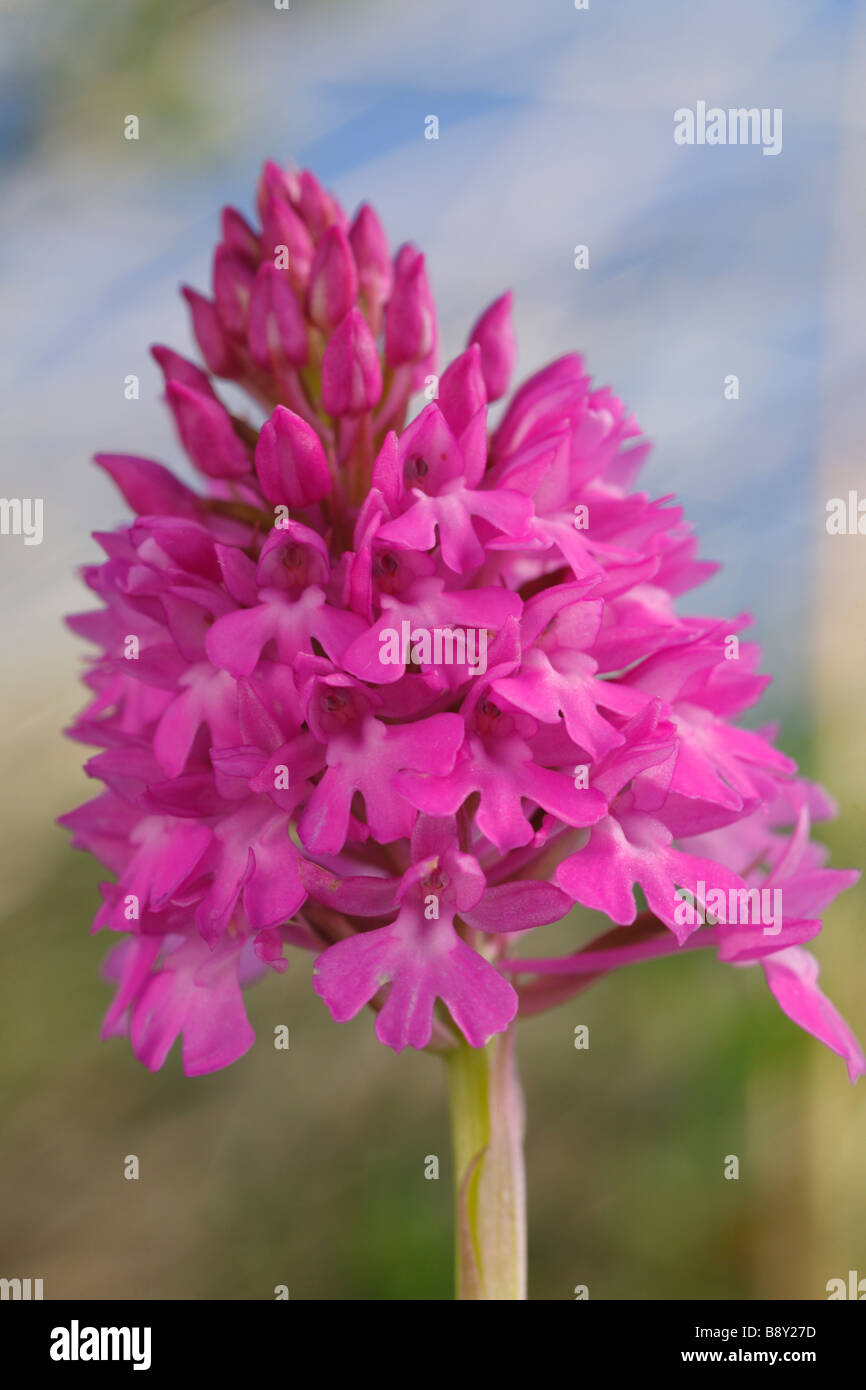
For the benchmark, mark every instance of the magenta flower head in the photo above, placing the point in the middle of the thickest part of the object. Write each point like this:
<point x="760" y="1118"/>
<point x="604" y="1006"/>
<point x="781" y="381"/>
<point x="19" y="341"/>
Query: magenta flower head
<point x="396" y="691"/>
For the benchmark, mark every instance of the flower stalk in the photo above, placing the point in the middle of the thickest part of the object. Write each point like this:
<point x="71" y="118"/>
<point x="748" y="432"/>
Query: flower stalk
<point x="487" y="1125"/>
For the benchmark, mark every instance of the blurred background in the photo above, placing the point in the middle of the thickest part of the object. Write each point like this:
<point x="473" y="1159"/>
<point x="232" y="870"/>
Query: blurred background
<point x="306" y="1167"/>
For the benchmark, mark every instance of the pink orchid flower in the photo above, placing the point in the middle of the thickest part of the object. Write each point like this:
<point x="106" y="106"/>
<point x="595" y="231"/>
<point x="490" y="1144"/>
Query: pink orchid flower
<point x="547" y="731"/>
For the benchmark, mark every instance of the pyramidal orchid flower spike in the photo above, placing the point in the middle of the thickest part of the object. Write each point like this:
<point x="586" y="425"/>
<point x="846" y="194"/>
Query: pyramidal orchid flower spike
<point x="394" y="692"/>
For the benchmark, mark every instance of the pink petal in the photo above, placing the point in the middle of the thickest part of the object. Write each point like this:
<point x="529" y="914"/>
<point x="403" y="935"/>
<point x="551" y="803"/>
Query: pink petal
<point x="793" y="980"/>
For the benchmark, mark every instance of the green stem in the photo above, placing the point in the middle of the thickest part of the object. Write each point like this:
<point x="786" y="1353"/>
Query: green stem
<point x="490" y="1200"/>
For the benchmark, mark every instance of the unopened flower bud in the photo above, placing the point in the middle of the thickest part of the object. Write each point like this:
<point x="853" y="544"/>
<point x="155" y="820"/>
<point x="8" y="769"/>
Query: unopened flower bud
<point x="333" y="286"/>
<point x="290" y="462"/>
<point x="206" y="433"/>
<point x="495" y="336"/>
<point x="351" y="374"/>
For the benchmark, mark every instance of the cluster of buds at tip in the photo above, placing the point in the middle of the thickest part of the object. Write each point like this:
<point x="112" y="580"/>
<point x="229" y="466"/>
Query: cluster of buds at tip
<point x="311" y="313"/>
